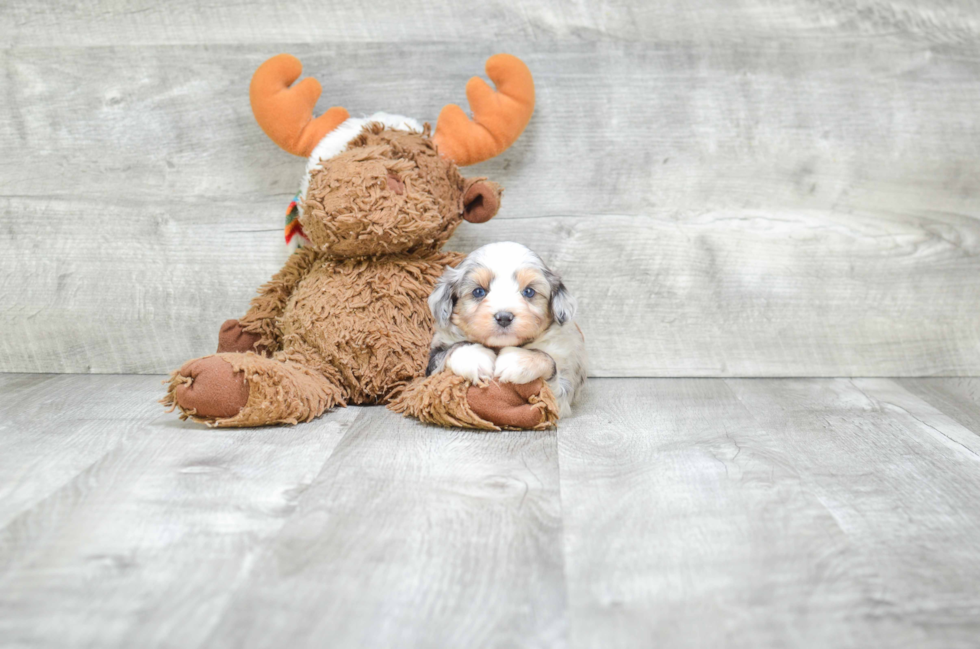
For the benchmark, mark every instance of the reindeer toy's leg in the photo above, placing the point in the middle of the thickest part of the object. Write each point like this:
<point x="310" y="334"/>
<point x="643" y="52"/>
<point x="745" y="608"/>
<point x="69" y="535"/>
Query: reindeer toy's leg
<point x="250" y="382"/>
<point x="450" y="400"/>
<point x="234" y="389"/>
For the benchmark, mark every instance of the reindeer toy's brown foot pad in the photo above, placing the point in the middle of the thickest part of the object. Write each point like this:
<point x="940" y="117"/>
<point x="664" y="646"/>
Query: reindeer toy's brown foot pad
<point x="210" y="388"/>
<point x="510" y="405"/>
<point x="449" y="400"/>
<point x="231" y="389"/>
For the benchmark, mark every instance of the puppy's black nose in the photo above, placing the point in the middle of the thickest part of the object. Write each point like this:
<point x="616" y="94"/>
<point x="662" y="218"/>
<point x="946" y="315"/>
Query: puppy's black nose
<point x="503" y="318"/>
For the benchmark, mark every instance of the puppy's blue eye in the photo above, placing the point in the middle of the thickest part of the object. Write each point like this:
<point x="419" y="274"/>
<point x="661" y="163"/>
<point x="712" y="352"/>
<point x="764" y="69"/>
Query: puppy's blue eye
<point x="528" y="292"/>
<point x="479" y="292"/>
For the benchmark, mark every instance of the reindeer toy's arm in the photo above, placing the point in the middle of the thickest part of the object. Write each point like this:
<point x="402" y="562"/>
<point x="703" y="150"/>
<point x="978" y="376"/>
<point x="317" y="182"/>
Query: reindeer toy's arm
<point x="258" y="330"/>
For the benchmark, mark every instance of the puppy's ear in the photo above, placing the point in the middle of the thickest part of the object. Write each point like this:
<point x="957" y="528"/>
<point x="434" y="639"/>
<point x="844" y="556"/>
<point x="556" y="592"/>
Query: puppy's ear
<point x="444" y="296"/>
<point x="480" y="199"/>
<point x="562" y="303"/>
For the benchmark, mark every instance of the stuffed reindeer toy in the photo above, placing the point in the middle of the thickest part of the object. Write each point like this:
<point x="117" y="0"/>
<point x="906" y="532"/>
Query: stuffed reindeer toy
<point x="346" y="320"/>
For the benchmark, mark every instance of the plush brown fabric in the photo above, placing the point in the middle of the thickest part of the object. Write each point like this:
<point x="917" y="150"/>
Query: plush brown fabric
<point x="211" y="388"/>
<point x="346" y="320"/>
<point x="277" y="391"/>
<point x="350" y="210"/>
<point x="481" y="200"/>
<point x="449" y="400"/>
<point x="232" y="337"/>
<point x="364" y="323"/>
<point x="531" y="405"/>
<point x="271" y="301"/>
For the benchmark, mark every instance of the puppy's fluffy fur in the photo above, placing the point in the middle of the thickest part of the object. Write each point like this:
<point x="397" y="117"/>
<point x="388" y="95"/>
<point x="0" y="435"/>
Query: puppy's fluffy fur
<point x="503" y="314"/>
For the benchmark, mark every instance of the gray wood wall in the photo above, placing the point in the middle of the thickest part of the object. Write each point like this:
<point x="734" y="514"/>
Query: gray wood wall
<point x="731" y="188"/>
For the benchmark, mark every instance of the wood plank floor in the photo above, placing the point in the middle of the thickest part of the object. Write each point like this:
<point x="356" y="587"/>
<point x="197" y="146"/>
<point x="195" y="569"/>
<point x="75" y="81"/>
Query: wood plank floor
<point x="665" y="512"/>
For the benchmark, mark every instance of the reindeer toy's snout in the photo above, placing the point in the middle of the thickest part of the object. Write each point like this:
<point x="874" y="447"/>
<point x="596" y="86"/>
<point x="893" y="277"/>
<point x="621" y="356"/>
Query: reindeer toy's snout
<point x="346" y="320"/>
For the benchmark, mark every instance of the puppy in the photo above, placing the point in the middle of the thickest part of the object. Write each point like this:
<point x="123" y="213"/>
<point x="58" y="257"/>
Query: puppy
<point x="502" y="314"/>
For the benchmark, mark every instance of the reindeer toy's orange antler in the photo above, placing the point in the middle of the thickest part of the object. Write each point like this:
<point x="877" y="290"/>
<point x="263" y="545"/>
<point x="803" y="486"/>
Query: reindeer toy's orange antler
<point x="286" y="113"/>
<point x="499" y="117"/>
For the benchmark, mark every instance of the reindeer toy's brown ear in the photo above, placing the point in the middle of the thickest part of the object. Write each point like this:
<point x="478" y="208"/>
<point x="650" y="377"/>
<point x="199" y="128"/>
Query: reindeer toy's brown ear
<point x="480" y="200"/>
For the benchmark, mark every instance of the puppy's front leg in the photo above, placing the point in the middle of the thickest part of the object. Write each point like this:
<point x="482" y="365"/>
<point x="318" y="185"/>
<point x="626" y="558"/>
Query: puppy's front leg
<point x="518" y="365"/>
<point x="474" y="362"/>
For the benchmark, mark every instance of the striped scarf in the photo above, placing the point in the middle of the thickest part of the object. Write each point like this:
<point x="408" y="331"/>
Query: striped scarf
<point x="295" y="237"/>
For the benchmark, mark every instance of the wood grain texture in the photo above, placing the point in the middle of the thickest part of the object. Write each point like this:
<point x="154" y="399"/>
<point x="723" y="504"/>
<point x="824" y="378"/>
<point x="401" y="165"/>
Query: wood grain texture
<point x="664" y="512"/>
<point x="127" y="527"/>
<point x="805" y="206"/>
<point x="901" y="480"/>
<point x="785" y="512"/>
<point x="958" y="398"/>
<point x="750" y="293"/>
<point x="149" y="294"/>
<point x="414" y="536"/>
<point x="23" y="23"/>
<point x="619" y="128"/>
<point x="742" y="293"/>
<point x="37" y="461"/>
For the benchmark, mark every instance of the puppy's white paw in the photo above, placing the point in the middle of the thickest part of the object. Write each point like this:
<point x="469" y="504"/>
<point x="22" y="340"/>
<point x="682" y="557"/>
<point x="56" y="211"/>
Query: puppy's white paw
<point x="473" y="362"/>
<point x="516" y="365"/>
